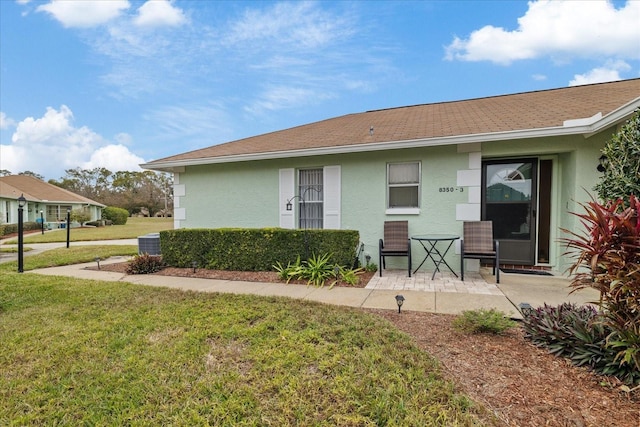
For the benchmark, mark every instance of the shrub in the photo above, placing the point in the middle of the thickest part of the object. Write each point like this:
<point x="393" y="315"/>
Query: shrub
<point x="580" y="334"/>
<point x="80" y="215"/>
<point x="145" y="264"/>
<point x="607" y="258"/>
<point x="289" y="272"/>
<point x="371" y="267"/>
<point x="554" y="327"/>
<point x="350" y="275"/>
<point x="119" y="216"/>
<point x="621" y="174"/>
<point x="483" y="321"/>
<point x="253" y="249"/>
<point x="13" y="228"/>
<point x="317" y="271"/>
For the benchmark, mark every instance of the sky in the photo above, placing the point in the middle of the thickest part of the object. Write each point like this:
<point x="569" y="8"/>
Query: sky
<point x="86" y="84"/>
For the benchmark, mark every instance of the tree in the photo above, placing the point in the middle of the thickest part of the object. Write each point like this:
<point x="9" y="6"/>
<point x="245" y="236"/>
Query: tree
<point x="148" y="190"/>
<point x="5" y="172"/>
<point x="93" y="184"/>
<point x="133" y="191"/>
<point x="621" y="175"/>
<point x="33" y="174"/>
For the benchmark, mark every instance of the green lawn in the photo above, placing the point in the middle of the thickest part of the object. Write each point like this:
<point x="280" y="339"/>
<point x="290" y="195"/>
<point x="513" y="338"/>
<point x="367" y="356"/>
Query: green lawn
<point x="79" y="352"/>
<point x="95" y="353"/>
<point x="132" y="229"/>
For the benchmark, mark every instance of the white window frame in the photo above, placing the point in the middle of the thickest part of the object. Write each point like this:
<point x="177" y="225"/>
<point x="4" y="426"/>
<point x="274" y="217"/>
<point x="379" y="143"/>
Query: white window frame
<point x="404" y="210"/>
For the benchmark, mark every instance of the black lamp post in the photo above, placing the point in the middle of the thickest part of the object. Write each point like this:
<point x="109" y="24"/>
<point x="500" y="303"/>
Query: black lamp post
<point x="21" y="202"/>
<point x="68" y="226"/>
<point x="42" y="220"/>
<point x="399" y="301"/>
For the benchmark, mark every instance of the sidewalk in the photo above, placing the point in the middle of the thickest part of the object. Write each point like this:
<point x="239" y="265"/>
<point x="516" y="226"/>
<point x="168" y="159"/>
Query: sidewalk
<point x="445" y="294"/>
<point x="36" y="248"/>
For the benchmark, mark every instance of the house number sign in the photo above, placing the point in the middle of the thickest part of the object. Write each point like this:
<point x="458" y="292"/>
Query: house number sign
<point x="451" y="189"/>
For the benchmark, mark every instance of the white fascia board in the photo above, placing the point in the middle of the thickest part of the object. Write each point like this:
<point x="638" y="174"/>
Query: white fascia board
<point x="586" y="127"/>
<point x="71" y="202"/>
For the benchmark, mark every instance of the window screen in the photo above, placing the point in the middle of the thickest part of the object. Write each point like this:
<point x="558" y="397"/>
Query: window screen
<point x="311" y="198"/>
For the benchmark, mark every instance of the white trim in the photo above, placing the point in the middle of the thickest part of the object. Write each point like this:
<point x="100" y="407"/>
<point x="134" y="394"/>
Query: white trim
<point x="402" y="211"/>
<point x="287" y="190"/>
<point x="179" y="190"/>
<point x="468" y="177"/>
<point x="474" y="194"/>
<point x="583" y="122"/>
<point x="179" y="214"/>
<point x="331" y="176"/>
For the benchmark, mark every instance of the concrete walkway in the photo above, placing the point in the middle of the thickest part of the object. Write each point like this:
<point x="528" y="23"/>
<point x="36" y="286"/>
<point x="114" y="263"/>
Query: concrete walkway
<point x="36" y="248"/>
<point x="445" y="294"/>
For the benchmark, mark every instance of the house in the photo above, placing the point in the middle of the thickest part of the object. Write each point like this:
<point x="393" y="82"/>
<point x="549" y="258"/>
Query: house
<point x="524" y="161"/>
<point x="44" y="201"/>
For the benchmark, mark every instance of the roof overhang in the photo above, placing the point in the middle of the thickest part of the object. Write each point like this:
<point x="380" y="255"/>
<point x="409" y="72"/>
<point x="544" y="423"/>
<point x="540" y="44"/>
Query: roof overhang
<point x="580" y="126"/>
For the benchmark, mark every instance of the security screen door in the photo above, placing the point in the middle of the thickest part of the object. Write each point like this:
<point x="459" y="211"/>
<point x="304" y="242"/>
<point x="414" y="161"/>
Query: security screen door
<point x="509" y="200"/>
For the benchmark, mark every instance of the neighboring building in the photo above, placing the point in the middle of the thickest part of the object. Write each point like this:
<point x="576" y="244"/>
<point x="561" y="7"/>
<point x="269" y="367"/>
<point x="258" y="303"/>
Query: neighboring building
<point x="525" y="161"/>
<point x="42" y="197"/>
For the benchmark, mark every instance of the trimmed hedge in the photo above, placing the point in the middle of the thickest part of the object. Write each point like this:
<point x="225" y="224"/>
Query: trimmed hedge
<point x="13" y="228"/>
<point x="254" y="249"/>
<point x="118" y="216"/>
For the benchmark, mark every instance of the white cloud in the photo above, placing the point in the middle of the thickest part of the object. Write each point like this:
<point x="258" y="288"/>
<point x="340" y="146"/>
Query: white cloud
<point x="6" y="122"/>
<point x="610" y="72"/>
<point x="156" y="13"/>
<point x="311" y="47"/>
<point x="539" y="77"/>
<point x="123" y="138"/>
<point x="194" y="124"/>
<point x="114" y="158"/>
<point x="50" y="144"/>
<point x="567" y="29"/>
<point x="283" y="97"/>
<point x="302" y="24"/>
<point x="85" y="13"/>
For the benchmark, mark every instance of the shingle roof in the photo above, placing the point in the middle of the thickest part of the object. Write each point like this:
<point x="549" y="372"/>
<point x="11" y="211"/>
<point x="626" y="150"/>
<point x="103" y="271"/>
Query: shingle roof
<point x="36" y="190"/>
<point x="546" y="109"/>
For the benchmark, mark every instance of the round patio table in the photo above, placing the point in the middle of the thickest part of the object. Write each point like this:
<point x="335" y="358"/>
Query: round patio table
<point x="429" y="242"/>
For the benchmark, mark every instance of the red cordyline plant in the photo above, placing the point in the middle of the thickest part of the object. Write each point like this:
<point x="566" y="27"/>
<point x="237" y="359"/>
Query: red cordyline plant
<point x="607" y="258"/>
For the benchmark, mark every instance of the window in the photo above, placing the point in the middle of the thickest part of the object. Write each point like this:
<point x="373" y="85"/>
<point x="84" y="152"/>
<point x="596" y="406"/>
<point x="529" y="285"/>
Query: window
<point x="324" y="206"/>
<point x="57" y="212"/>
<point x="311" y="194"/>
<point x="403" y="185"/>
